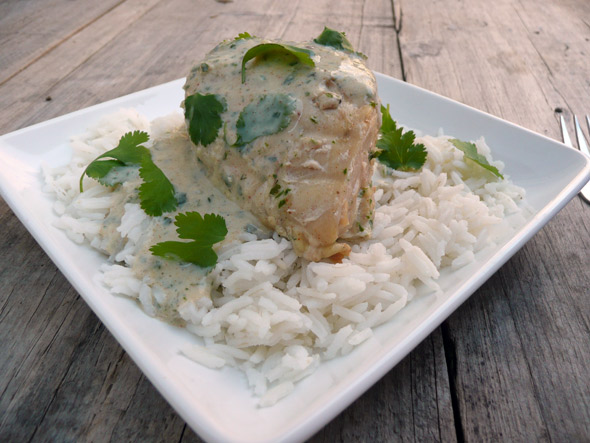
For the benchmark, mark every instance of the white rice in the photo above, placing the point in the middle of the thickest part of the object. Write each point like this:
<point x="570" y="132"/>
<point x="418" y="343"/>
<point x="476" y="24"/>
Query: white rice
<point x="274" y="315"/>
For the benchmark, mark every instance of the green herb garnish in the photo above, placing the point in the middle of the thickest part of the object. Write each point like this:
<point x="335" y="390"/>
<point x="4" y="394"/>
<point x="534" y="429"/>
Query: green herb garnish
<point x="470" y="151"/>
<point x="275" y="189"/>
<point x="204" y="231"/>
<point x="336" y="40"/>
<point x="156" y="193"/>
<point x="388" y="124"/>
<point x="269" y="115"/>
<point x="203" y="114"/>
<point x="301" y="54"/>
<point x="244" y="36"/>
<point x="397" y="150"/>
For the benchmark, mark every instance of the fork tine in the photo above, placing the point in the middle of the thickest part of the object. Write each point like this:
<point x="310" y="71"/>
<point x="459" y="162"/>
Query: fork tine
<point x="585" y="149"/>
<point x="564" y="134"/>
<point x="582" y="143"/>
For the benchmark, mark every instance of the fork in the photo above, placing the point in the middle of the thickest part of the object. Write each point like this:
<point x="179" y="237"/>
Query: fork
<point x="582" y="144"/>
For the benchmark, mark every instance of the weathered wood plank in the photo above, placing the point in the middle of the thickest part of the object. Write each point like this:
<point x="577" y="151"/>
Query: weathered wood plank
<point x="39" y="373"/>
<point x="521" y="342"/>
<point x="148" y="418"/>
<point x="28" y="94"/>
<point x="411" y="403"/>
<point x="83" y="395"/>
<point x="512" y="61"/>
<point x="29" y="29"/>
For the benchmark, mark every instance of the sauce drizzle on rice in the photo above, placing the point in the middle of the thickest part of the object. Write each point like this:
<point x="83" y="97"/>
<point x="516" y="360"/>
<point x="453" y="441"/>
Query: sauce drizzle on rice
<point x="270" y="312"/>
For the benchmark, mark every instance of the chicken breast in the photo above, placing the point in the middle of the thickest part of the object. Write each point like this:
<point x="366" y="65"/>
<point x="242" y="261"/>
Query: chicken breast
<point x="295" y="138"/>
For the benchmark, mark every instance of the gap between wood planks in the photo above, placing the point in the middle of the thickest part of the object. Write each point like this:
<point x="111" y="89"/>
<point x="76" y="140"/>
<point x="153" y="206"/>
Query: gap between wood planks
<point x="448" y="345"/>
<point x="451" y="361"/>
<point x="396" y="8"/>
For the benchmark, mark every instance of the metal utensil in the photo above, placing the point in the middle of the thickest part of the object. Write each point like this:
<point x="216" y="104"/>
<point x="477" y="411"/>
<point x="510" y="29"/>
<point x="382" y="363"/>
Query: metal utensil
<point x="582" y="145"/>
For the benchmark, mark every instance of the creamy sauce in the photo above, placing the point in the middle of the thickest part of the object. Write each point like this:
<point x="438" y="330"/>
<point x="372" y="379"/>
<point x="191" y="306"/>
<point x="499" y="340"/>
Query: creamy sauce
<point x="175" y="155"/>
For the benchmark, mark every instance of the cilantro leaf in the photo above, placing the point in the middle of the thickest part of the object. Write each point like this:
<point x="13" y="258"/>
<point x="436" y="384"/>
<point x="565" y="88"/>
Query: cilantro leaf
<point x="185" y="252"/>
<point x="301" y="54"/>
<point x="470" y="151"/>
<point x="100" y="170"/>
<point x="203" y="113"/>
<point x="244" y="36"/>
<point x="204" y="231"/>
<point x="129" y="149"/>
<point x="156" y="193"/>
<point x="398" y="150"/>
<point x="387" y="123"/>
<point x="128" y="152"/>
<point x="336" y="40"/>
<point x="269" y="115"/>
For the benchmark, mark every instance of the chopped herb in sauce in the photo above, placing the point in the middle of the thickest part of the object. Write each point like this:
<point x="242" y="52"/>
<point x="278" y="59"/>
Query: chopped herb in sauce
<point x="181" y="198"/>
<point x="275" y="189"/>
<point x="289" y="79"/>
<point x="268" y="115"/>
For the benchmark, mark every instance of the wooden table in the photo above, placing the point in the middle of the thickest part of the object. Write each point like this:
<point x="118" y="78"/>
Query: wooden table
<point x="511" y="364"/>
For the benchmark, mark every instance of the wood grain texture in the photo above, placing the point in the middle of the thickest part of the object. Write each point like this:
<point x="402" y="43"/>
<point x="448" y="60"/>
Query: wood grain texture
<point x="520" y="62"/>
<point x="29" y="29"/>
<point x="411" y="403"/>
<point x="510" y="364"/>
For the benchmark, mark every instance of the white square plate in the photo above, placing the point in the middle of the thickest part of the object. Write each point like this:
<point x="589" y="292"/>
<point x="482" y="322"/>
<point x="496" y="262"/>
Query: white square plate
<point x="218" y="403"/>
